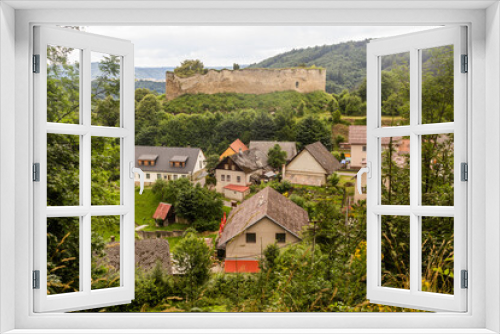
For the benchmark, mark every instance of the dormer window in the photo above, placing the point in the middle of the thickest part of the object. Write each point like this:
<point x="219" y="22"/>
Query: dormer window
<point x="147" y="159"/>
<point x="178" y="161"/>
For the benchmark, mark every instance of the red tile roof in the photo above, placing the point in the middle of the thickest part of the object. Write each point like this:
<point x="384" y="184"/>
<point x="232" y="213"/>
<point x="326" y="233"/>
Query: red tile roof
<point x="237" y="145"/>
<point x="235" y="187"/>
<point x="162" y="211"/>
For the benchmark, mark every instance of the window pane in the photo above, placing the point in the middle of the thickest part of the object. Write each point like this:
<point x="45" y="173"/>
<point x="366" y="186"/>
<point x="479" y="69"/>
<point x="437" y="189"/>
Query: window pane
<point x="437" y="170"/>
<point x="63" y="255"/>
<point x="105" y="171"/>
<point x="396" y="252"/>
<point x="63" y="170"/>
<point x="395" y="99"/>
<point x="437" y="85"/>
<point x="105" y="73"/>
<point x="63" y="84"/>
<point x="105" y="252"/>
<point x="395" y="171"/>
<point x="437" y="254"/>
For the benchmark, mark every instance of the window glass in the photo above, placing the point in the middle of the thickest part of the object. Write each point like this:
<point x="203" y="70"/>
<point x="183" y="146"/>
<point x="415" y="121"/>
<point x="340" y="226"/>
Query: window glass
<point x="105" y="73"/>
<point x="105" y="252"/>
<point x="395" y="171"/>
<point x="63" y="256"/>
<point x="437" y="254"/>
<point x="63" y="170"/>
<point x="63" y="84"/>
<point x="251" y="237"/>
<point x="105" y="171"/>
<point x="438" y="169"/>
<point x="395" y="89"/>
<point x="437" y="85"/>
<point x="396" y="252"/>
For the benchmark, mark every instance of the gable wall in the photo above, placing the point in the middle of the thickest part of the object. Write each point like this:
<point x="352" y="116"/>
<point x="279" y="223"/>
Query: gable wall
<point x="265" y="231"/>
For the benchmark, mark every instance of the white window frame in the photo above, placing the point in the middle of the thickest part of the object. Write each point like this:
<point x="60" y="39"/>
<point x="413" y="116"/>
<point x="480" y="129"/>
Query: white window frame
<point x="484" y="102"/>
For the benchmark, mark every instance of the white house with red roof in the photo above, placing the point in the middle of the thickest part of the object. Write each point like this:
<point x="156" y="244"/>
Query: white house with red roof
<point x="236" y="192"/>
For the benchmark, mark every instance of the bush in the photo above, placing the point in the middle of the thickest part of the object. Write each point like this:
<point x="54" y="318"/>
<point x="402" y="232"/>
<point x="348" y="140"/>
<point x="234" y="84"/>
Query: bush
<point x="202" y="225"/>
<point x="299" y="200"/>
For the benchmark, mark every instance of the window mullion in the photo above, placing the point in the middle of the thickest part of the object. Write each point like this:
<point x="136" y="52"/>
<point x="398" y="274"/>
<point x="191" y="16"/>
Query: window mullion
<point x="415" y="273"/>
<point x="86" y="165"/>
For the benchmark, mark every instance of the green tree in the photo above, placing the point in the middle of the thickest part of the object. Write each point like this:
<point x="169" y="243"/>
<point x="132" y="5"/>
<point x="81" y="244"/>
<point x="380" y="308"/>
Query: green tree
<point x="236" y="66"/>
<point x="190" y="67"/>
<point x="276" y="157"/>
<point x="311" y="130"/>
<point x="192" y="256"/>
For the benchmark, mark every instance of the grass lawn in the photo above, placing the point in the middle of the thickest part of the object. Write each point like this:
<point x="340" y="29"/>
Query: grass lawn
<point x="145" y="206"/>
<point x="227" y="210"/>
<point x="171" y="227"/>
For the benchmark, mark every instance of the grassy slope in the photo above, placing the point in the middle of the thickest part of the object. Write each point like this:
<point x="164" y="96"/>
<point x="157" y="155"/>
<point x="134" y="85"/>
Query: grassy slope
<point x="145" y="206"/>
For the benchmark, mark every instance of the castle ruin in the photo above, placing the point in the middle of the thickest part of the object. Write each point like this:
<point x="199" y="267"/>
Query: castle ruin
<point x="246" y="81"/>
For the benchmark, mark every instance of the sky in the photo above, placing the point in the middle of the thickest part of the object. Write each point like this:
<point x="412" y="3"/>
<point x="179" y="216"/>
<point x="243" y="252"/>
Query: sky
<point x="222" y="46"/>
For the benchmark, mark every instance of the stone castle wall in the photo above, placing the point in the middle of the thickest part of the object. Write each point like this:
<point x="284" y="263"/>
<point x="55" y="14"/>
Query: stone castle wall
<point x="247" y="81"/>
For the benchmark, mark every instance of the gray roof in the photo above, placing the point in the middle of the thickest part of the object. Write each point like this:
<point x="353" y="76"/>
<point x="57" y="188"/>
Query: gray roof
<point x="248" y="161"/>
<point x="266" y="203"/>
<point x="165" y="155"/>
<point x="149" y="157"/>
<point x="179" y="158"/>
<point x="323" y="157"/>
<point x="288" y="146"/>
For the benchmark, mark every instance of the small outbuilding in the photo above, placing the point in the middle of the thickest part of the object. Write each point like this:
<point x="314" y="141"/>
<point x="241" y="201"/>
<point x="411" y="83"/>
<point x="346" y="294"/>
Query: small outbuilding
<point x="236" y="192"/>
<point x="165" y="213"/>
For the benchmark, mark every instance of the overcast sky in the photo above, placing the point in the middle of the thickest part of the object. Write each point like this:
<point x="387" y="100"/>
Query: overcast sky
<point x="223" y="46"/>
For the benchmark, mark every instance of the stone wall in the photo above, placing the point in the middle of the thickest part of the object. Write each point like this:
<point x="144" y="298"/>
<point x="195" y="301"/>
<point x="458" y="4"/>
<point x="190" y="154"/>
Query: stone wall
<point x="247" y="81"/>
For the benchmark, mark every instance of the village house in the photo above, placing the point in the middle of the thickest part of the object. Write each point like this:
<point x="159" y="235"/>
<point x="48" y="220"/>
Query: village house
<point x="311" y="166"/>
<point x="170" y="163"/>
<point x="235" y="147"/>
<point x="288" y="146"/>
<point x="237" y="169"/>
<point x="266" y="218"/>
<point x="357" y="142"/>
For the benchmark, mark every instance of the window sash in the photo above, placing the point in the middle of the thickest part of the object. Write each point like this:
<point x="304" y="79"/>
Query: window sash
<point x="412" y="43"/>
<point x="86" y="297"/>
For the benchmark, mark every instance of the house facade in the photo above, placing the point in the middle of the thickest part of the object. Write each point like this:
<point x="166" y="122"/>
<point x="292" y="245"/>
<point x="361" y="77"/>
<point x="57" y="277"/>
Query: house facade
<point x="311" y="166"/>
<point x="357" y="142"/>
<point x="266" y="218"/>
<point x="237" y="169"/>
<point x="169" y="163"/>
<point x="235" y="147"/>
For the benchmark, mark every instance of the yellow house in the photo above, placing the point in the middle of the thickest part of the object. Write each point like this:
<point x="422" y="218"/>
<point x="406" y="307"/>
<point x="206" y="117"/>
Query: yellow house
<point x="235" y="147"/>
<point x="266" y="218"/>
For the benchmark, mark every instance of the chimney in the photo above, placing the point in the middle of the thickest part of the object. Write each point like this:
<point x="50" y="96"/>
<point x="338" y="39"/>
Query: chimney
<point x="240" y="152"/>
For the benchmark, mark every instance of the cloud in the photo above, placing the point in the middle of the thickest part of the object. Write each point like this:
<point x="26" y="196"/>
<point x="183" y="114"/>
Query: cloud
<point x="224" y="45"/>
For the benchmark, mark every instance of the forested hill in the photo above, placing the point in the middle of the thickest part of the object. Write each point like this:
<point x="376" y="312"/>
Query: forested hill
<point x="345" y="63"/>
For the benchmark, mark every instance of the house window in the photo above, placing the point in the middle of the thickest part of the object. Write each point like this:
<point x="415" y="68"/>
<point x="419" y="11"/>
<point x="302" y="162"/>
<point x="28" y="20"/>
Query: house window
<point x="229" y="178"/>
<point x="223" y="177"/>
<point x="281" y="238"/>
<point x="183" y="175"/>
<point x="238" y="179"/>
<point x="233" y="167"/>
<point x="175" y="177"/>
<point x="226" y="166"/>
<point x="148" y="176"/>
<point x="364" y="148"/>
<point x="165" y="177"/>
<point x="251" y="238"/>
<point x="158" y="176"/>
